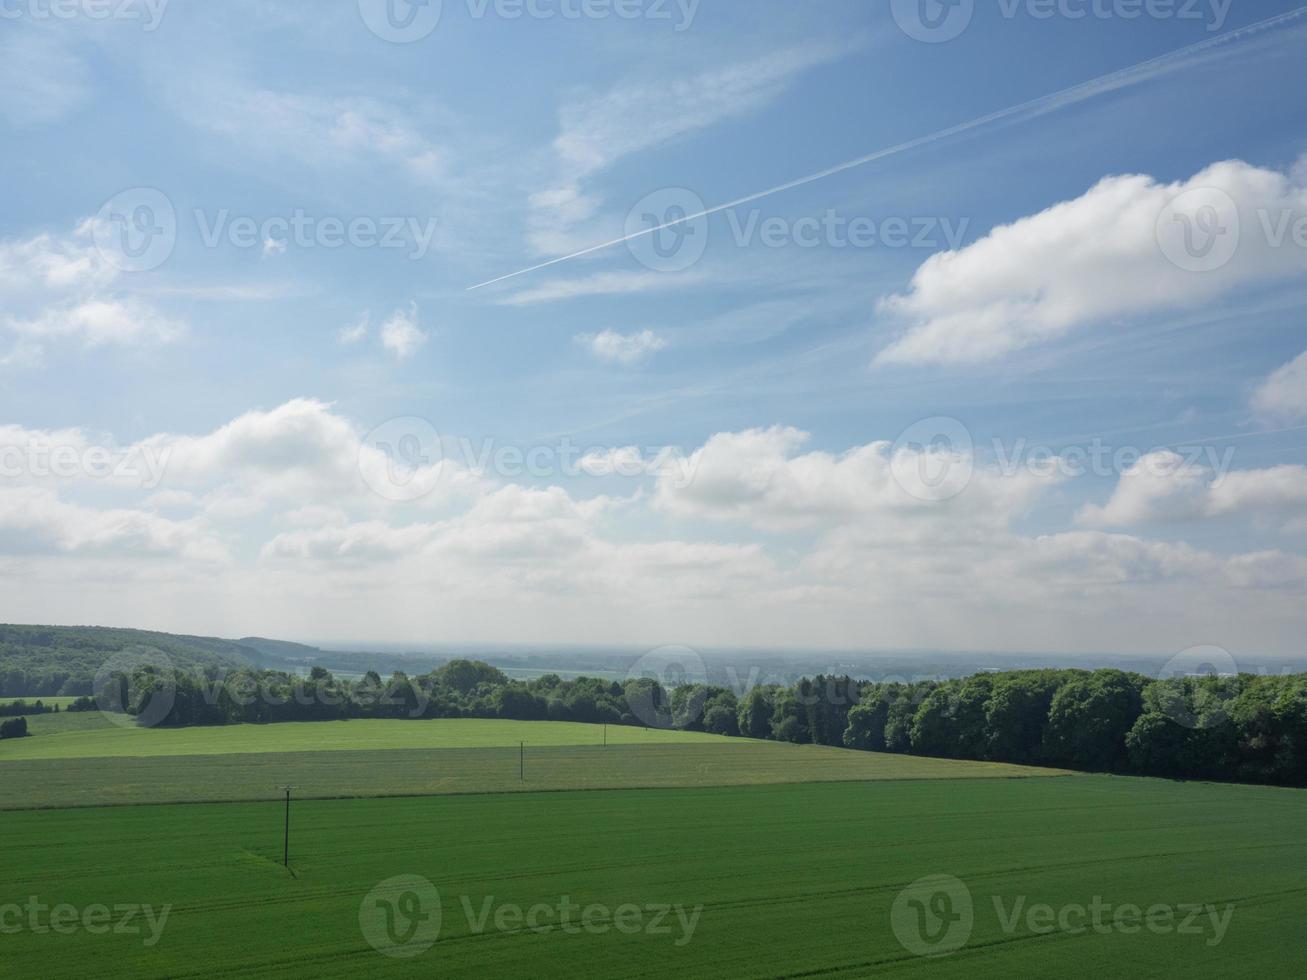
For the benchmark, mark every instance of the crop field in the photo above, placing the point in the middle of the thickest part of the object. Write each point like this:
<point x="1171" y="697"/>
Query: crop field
<point x="91" y="781"/>
<point x="764" y="881"/>
<point x="99" y="738"/>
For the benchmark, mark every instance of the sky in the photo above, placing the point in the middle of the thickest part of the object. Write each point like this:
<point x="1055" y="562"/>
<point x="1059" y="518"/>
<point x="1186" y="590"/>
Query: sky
<point x="861" y="326"/>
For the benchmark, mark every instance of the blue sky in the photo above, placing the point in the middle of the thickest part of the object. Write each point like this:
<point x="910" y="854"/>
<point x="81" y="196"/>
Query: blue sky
<point x="770" y="386"/>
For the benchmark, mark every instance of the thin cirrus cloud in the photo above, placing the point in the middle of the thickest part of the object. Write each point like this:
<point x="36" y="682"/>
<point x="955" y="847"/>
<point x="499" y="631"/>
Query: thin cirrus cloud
<point x="1085" y="261"/>
<point x="597" y="131"/>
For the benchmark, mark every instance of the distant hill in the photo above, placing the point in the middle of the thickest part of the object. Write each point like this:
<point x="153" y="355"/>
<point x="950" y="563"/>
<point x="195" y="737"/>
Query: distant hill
<point x="48" y="661"/>
<point x="63" y="660"/>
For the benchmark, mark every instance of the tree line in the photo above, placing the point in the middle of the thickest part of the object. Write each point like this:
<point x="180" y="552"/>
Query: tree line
<point x="1246" y="728"/>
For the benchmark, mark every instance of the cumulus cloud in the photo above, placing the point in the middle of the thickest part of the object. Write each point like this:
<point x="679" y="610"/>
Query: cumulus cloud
<point x="627" y="349"/>
<point x="760" y="477"/>
<point x="826" y="545"/>
<point x="1117" y="250"/>
<point x="401" y="335"/>
<point x="35" y="521"/>
<point x="63" y="288"/>
<point x="1284" y="393"/>
<point x="1164" y="486"/>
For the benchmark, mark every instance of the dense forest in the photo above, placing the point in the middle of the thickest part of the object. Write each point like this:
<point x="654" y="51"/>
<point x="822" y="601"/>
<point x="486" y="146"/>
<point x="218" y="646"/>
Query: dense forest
<point x="1247" y="728"/>
<point x="62" y="661"/>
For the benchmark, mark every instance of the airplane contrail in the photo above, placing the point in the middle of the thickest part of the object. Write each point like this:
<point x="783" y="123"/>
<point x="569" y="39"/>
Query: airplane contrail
<point x="1031" y="108"/>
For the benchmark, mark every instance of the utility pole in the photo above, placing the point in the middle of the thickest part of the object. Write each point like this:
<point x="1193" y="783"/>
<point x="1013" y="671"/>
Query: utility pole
<point x="285" y="860"/>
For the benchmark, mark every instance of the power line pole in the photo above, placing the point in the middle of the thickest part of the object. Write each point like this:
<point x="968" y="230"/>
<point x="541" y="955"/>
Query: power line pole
<point x="285" y="860"/>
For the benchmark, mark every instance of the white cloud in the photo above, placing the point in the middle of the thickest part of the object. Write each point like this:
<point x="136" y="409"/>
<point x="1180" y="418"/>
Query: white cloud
<point x="34" y="521"/>
<point x="626" y="349"/>
<point x="597" y="131"/>
<point x="401" y="335"/>
<point x="1284" y="393"/>
<point x="759" y="478"/>
<point x="1088" y="260"/>
<point x="62" y="288"/>
<point x="319" y="133"/>
<point x="1164" y="486"/>
<point x="355" y="332"/>
<point x="101" y="322"/>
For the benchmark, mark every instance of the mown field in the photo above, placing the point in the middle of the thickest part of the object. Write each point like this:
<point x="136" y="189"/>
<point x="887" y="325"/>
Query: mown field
<point x="792" y="880"/>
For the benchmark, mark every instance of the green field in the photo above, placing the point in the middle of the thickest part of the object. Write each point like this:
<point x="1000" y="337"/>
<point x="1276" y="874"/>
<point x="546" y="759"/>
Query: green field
<point x="48" y="701"/>
<point x="328" y="760"/>
<point x="101" y="739"/>
<point x="416" y="772"/>
<point x="792" y="880"/>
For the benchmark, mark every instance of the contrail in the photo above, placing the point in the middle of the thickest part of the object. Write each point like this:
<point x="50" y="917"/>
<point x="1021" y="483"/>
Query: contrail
<point x="1031" y="108"/>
